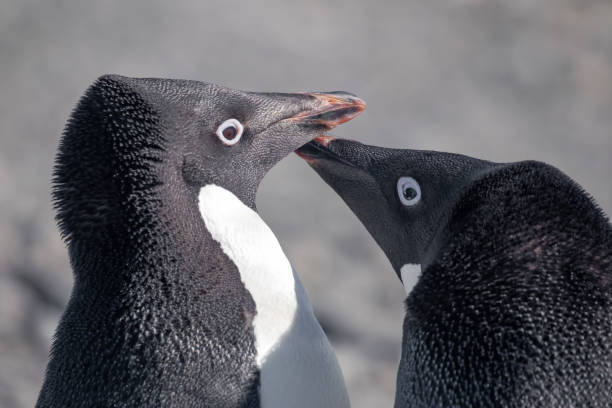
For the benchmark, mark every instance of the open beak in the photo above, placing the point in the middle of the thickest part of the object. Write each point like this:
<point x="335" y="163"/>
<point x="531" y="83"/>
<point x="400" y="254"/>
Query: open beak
<point x="318" y="149"/>
<point x="332" y="109"/>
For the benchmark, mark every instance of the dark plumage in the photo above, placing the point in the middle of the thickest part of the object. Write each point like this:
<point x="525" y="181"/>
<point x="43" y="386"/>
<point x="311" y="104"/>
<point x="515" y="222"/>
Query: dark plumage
<point x="513" y="307"/>
<point x="158" y="315"/>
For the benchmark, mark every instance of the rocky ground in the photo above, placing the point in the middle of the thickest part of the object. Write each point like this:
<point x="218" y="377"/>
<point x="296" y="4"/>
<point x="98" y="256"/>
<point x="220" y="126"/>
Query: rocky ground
<point x="501" y="80"/>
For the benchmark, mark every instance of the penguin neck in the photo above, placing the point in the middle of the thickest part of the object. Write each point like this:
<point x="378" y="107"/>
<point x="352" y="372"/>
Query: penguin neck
<point x="161" y="287"/>
<point x="293" y="353"/>
<point x="131" y="239"/>
<point x="264" y="270"/>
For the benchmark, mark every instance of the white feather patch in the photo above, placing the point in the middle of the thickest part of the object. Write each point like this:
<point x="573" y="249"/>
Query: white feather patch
<point x="297" y="364"/>
<point x="410" y="273"/>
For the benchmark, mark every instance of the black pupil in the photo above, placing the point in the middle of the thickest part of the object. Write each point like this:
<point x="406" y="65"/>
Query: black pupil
<point x="230" y="132"/>
<point x="410" y="193"/>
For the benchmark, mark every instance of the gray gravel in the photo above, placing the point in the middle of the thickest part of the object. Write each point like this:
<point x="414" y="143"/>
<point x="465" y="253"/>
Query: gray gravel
<point x="501" y="80"/>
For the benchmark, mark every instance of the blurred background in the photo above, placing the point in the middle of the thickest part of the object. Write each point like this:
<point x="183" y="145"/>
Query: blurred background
<point x="500" y="80"/>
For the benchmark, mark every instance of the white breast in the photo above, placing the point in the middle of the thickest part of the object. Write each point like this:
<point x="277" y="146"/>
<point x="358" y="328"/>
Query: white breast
<point x="297" y="364"/>
<point x="410" y="273"/>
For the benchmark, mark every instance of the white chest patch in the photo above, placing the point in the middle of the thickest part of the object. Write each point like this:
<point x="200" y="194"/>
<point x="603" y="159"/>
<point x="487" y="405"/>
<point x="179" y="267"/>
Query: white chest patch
<point x="410" y="274"/>
<point x="297" y="364"/>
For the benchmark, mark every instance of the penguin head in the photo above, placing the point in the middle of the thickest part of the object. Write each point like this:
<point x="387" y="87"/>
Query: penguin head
<point x="132" y="142"/>
<point x="402" y="197"/>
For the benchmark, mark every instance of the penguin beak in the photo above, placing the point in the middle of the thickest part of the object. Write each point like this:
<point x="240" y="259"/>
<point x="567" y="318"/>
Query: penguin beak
<point x="319" y="149"/>
<point x="331" y="109"/>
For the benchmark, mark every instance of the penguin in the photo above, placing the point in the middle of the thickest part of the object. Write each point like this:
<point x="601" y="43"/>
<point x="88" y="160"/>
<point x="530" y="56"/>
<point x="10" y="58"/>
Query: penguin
<point x="512" y="305"/>
<point x="182" y="295"/>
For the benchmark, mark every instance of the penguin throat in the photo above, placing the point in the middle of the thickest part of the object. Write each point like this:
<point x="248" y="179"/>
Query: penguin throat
<point x="259" y="258"/>
<point x="293" y="352"/>
<point x="410" y="274"/>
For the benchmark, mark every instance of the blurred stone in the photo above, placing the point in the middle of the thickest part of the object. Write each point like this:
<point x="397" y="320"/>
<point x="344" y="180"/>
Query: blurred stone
<point x="501" y="80"/>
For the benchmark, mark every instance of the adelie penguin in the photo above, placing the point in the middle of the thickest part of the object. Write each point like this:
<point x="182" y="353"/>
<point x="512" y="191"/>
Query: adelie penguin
<point x="182" y="295"/>
<point x="513" y="306"/>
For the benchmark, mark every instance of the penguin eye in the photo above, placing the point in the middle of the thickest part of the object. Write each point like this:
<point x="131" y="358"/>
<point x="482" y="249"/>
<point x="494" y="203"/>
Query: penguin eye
<point x="230" y="132"/>
<point x="409" y="191"/>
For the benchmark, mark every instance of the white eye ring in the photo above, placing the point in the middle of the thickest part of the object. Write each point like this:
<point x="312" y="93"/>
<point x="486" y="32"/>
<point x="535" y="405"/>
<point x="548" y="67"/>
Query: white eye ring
<point x="230" y="123"/>
<point x="409" y="185"/>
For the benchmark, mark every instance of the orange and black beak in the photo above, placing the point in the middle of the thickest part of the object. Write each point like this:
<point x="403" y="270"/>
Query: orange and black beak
<point x="323" y="147"/>
<point x="331" y="109"/>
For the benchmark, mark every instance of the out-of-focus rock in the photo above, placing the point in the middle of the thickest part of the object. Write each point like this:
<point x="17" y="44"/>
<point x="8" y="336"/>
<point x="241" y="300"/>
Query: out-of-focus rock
<point x="502" y="80"/>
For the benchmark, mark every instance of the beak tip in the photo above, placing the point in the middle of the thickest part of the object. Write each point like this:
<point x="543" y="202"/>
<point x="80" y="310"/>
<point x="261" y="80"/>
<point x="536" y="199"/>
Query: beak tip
<point x="302" y="155"/>
<point x="360" y="103"/>
<point x="333" y="109"/>
<point x="323" y="140"/>
<point x="314" y="150"/>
